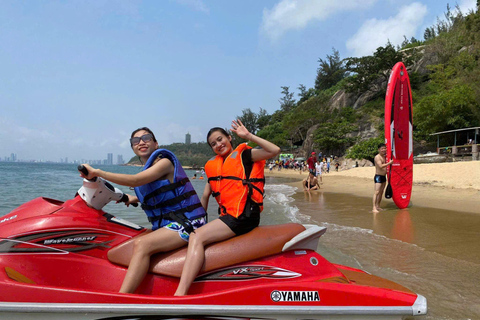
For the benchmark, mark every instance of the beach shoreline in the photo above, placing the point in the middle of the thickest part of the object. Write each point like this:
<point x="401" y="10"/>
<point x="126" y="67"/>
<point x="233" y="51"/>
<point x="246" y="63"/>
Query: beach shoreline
<point x="450" y="186"/>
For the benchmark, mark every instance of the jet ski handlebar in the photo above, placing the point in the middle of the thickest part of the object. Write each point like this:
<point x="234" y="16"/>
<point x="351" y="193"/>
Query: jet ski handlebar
<point x="82" y="169"/>
<point x="97" y="192"/>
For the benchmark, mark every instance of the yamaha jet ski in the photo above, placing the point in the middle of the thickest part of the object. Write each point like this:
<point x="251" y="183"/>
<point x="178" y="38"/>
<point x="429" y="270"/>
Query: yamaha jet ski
<point x="68" y="260"/>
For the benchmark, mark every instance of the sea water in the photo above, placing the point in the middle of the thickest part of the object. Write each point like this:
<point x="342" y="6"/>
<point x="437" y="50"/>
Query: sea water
<point x="432" y="252"/>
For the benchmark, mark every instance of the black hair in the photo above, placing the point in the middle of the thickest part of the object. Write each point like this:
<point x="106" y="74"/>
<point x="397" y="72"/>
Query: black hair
<point x="222" y="131"/>
<point x="381" y="145"/>
<point x="145" y="129"/>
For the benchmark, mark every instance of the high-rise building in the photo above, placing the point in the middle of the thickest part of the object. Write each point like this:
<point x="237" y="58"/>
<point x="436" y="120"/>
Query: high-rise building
<point x="120" y="159"/>
<point x="110" y="158"/>
<point x="188" y="138"/>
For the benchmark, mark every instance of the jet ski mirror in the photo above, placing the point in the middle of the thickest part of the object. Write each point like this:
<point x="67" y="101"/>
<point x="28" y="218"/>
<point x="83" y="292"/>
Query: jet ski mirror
<point x="98" y="192"/>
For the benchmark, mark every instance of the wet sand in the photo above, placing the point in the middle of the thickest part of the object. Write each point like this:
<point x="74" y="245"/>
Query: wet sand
<point x="451" y="186"/>
<point x="430" y="247"/>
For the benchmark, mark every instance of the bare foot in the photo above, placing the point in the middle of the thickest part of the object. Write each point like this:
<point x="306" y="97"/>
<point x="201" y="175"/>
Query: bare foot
<point x="380" y="209"/>
<point x="375" y="210"/>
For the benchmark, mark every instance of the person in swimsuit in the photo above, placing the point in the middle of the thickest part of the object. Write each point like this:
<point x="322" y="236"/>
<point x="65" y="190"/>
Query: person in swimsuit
<point x="380" y="178"/>
<point x="310" y="183"/>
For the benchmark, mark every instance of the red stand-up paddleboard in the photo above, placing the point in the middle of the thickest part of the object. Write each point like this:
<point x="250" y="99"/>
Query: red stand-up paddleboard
<point x="398" y="135"/>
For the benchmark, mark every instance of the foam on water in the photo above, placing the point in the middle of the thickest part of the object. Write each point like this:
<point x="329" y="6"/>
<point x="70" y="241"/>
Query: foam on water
<point x="279" y="205"/>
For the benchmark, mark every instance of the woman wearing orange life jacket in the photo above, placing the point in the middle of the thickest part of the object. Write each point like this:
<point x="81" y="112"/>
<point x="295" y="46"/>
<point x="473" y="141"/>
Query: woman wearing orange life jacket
<point x="235" y="179"/>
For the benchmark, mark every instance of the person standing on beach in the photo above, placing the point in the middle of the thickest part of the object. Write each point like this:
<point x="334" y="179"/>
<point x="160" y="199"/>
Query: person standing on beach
<point x="318" y="169"/>
<point x="311" y="163"/>
<point x="380" y="178"/>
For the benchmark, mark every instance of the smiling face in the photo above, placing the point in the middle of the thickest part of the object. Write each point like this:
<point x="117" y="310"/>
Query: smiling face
<point x="382" y="151"/>
<point x="220" y="143"/>
<point x="144" y="149"/>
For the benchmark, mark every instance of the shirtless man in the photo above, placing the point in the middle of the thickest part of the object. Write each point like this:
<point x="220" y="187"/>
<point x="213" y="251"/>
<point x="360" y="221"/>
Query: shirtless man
<point x="310" y="182"/>
<point x="380" y="176"/>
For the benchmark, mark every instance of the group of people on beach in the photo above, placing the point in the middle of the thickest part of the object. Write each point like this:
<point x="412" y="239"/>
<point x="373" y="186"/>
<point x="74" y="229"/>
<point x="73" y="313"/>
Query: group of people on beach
<point x="178" y="216"/>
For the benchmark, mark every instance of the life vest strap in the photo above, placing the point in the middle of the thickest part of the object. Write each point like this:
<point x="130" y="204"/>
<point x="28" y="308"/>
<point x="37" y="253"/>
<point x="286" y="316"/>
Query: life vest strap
<point x="244" y="181"/>
<point x="176" y="215"/>
<point x="168" y="187"/>
<point x="169" y="202"/>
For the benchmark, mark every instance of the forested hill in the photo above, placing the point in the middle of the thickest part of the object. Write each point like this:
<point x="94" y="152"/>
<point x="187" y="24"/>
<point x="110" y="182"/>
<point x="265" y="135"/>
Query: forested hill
<point x="189" y="155"/>
<point x="344" y="112"/>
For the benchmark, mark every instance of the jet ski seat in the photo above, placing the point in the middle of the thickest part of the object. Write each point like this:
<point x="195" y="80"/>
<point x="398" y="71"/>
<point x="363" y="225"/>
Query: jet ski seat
<point x="260" y="242"/>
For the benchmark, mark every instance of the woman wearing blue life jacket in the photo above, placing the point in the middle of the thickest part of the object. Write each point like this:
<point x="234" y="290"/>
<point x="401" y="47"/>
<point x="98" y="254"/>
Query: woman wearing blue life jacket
<point x="167" y="197"/>
<point x="236" y="180"/>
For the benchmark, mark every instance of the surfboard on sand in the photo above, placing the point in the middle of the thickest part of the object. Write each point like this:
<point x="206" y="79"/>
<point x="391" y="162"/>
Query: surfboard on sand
<point x="398" y="135"/>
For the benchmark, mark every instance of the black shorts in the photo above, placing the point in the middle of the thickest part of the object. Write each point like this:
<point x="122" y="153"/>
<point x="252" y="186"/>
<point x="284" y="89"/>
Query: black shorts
<point x="380" y="179"/>
<point x="242" y="224"/>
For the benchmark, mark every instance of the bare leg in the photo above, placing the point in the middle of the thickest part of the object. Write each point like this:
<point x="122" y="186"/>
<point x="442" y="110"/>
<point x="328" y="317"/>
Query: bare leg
<point x="380" y="196"/>
<point x="160" y="240"/>
<point x="214" y="231"/>
<point x="377" y="196"/>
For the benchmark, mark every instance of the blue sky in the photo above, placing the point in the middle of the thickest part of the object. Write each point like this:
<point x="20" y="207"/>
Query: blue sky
<point x="77" y="77"/>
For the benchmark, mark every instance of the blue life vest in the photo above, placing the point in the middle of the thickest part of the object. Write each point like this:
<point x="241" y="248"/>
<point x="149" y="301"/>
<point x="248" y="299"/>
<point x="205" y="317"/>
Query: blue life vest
<point x="165" y="202"/>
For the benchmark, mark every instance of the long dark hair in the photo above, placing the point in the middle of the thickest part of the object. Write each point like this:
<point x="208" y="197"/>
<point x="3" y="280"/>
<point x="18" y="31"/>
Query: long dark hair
<point x="145" y="129"/>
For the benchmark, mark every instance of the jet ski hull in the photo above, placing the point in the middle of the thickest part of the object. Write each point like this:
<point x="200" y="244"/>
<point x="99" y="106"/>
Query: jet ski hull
<point x="66" y="259"/>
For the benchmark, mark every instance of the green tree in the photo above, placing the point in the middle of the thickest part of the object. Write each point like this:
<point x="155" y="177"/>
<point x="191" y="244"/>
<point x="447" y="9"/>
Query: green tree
<point x="372" y="72"/>
<point x="446" y="110"/>
<point x="287" y="102"/>
<point x="249" y="120"/>
<point x="252" y="121"/>
<point x="305" y="115"/>
<point x="263" y="118"/>
<point x="333" y="135"/>
<point x="305" y="93"/>
<point x="366" y="149"/>
<point x="275" y="134"/>
<point x="330" y="71"/>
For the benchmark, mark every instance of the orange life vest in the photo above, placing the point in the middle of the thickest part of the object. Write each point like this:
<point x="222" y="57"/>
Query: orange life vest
<point x="232" y="189"/>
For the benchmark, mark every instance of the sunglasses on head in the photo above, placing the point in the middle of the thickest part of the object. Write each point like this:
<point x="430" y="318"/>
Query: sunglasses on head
<point x="145" y="138"/>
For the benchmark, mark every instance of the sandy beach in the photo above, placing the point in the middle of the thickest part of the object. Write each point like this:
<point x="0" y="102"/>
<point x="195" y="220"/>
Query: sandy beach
<point x="451" y="186"/>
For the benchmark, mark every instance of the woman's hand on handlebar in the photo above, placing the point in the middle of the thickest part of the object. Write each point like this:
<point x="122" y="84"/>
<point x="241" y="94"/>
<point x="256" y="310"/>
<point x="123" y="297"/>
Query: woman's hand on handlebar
<point x="92" y="173"/>
<point x="132" y="200"/>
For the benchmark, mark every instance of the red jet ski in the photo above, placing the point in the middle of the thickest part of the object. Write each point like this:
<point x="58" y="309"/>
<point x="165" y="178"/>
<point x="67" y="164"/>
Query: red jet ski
<point x="68" y="259"/>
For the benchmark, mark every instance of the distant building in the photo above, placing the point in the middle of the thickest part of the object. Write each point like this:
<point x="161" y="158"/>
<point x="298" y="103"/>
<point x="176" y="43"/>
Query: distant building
<point x="188" y="138"/>
<point x="109" y="158"/>
<point x="120" y="159"/>
<point x="13" y="157"/>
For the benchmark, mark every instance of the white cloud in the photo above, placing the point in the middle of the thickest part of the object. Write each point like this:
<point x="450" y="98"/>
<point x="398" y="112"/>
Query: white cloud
<point x="375" y="33"/>
<point x="467" y="5"/>
<point x="296" y="14"/>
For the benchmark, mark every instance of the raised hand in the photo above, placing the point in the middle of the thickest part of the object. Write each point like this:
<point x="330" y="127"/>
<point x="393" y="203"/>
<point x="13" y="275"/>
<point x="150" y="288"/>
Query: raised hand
<point x="240" y="130"/>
